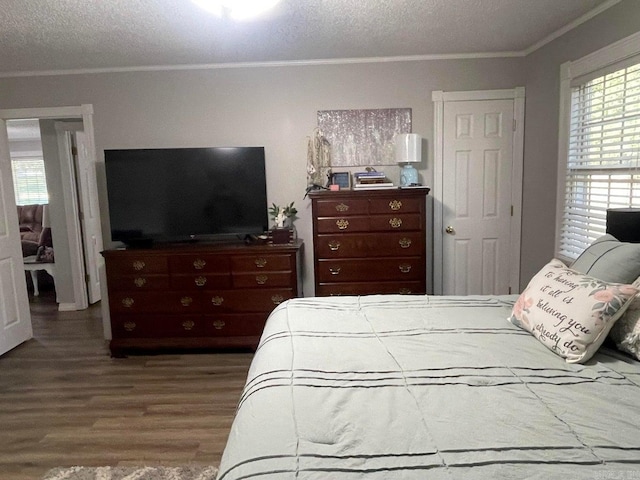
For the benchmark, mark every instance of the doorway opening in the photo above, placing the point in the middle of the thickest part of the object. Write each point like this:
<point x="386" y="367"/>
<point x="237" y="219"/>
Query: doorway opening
<point x="63" y="139"/>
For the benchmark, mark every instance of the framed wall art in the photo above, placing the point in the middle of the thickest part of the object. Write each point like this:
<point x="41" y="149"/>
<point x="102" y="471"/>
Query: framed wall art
<point x="363" y="137"/>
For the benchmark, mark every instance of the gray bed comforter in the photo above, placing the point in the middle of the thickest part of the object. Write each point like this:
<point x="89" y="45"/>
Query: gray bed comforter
<point x="411" y="387"/>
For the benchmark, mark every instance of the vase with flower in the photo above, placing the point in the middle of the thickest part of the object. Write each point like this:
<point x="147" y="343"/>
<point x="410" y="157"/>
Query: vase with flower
<point x="283" y="230"/>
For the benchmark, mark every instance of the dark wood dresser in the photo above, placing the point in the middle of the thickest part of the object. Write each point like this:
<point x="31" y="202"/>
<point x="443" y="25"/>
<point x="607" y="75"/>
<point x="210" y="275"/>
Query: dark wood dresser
<point x="370" y="241"/>
<point x="197" y="296"/>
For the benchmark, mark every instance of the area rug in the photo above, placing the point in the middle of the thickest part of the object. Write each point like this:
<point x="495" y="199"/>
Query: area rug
<point x="133" y="473"/>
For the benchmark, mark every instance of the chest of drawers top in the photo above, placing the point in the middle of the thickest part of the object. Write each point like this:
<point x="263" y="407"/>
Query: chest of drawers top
<point x="368" y="202"/>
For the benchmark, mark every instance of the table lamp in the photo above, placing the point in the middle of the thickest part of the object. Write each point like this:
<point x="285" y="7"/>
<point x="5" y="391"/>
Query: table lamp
<point x="408" y="151"/>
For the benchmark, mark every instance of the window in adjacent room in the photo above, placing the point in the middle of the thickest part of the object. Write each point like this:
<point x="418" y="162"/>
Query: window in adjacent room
<point x="27" y="162"/>
<point x="600" y="149"/>
<point x="29" y="181"/>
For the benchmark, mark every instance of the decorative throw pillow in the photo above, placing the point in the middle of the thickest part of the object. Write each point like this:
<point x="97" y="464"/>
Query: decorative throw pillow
<point x="626" y="331"/>
<point x="569" y="312"/>
<point x="610" y="260"/>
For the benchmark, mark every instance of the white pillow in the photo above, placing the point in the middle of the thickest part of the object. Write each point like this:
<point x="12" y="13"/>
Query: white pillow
<point x="626" y="331"/>
<point x="569" y="312"/>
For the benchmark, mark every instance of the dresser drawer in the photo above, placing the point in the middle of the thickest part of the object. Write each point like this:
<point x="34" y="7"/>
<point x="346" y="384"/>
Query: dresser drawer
<point x="353" y="270"/>
<point x="341" y="207"/>
<point x="200" y="281"/>
<point x="162" y="326"/>
<point x="396" y="205"/>
<point x="195" y="263"/>
<point x="137" y="264"/>
<point x="343" y="224"/>
<point x="259" y="300"/>
<point x="259" y="263"/>
<point x="155" y="302"/>
<point x="139" y="282"/>
<point x="370" y="288"/>
<point x="396" y="222"/>
<point x="369" y="245"/>
<point x="232" y="325"/>
<point x="264" y="279"/>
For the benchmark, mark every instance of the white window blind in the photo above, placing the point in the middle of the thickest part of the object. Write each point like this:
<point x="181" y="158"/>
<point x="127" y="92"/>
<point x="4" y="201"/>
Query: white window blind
<point x="603" y="169"/>
<point x="29" y="181"/>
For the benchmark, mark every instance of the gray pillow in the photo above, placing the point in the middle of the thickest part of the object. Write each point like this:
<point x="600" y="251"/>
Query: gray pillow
<point x="610" y="260"/>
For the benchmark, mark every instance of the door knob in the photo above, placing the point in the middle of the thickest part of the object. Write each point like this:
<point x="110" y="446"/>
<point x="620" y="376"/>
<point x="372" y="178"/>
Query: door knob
<point x="450" y="230"/>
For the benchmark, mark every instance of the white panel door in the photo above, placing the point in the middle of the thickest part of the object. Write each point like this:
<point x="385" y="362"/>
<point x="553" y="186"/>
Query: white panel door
<point x="476" y="196"/>
<point x="15" y="318"/>
<point x="89" y="214"/>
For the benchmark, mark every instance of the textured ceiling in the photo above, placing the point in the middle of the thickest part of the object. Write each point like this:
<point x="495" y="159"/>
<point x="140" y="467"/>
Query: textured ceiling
<point x="45" y="35"/>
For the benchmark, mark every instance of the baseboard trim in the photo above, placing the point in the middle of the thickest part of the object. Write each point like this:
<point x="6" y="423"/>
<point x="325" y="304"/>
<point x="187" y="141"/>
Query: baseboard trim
<point x="67" y="307"/>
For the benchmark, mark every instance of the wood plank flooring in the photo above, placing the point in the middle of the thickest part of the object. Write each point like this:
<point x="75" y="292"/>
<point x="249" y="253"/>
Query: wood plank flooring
<point x="64" y="401"/>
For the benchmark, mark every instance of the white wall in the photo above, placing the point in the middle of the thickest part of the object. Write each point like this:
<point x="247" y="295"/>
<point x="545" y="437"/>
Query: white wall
<point x="273" y="107"/>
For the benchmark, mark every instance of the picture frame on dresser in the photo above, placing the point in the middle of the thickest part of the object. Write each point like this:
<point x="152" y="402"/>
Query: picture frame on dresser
<point x="342" y="179"/>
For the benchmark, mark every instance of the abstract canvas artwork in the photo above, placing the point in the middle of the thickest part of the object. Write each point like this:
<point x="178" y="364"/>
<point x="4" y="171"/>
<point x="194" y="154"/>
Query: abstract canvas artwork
<point x="363" y="137"/>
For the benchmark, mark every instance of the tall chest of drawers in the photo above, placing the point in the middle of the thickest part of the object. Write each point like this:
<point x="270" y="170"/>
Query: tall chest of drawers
<point x="370" y="241"/>
<point x="197" y="296"/>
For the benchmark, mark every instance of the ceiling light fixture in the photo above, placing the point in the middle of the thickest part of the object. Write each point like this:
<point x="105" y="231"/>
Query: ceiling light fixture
<point x="236" y="9"/>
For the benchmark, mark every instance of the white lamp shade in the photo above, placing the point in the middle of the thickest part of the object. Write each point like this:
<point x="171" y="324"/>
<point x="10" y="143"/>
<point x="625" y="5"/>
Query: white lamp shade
<point x="408" y="148"/>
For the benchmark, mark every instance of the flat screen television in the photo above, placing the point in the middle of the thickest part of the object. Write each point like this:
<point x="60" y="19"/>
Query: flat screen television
<point x="186" y="194"/>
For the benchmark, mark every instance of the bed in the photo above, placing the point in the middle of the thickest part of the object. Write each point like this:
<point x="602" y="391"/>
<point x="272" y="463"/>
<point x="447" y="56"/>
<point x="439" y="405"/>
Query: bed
<point x="426" y="387"/>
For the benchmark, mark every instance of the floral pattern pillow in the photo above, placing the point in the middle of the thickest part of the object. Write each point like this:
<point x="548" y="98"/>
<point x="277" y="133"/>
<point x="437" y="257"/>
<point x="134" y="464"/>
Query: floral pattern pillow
<point x="569" y="312"/>
<point x="626" y="331"/>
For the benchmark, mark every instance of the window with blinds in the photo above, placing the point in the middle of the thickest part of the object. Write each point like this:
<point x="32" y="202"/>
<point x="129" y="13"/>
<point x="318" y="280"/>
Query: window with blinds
<point x="603" y="165"/>
<point x="29" y="181"/>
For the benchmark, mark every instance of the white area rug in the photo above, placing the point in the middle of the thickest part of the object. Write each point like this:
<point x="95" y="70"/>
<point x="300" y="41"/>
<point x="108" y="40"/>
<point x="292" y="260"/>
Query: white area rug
<point x="133" y="473"/>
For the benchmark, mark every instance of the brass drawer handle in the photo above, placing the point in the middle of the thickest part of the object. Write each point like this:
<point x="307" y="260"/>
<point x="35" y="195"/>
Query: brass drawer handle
<point x="404" y="291"/>
<point x="395" y="204"/>
<point x="404" y="242"/>
<point x="138" y="265"/>
<point x="217" y="301"/>
<point x="334" y="245"/>
<point x="127" y="302"/>
<point x="188" y="324"/>
<point x="186" y="301"/>
<point x="335" y="270"/>
<point x="129" y="326"/>
<point x="260" y="262"/>
<point x="199" y="264"/>
<point x="261" y="279"/>
<point x="277" y="299"/>
<point x="341" y="207"/>
<point x="218" y="324"/>
<point x="140" y="282"/>
<point x="200" y="281"/>
<point x="342" y="224"/>
<point x="404" y="268"/>
<point x="395" y="222"/>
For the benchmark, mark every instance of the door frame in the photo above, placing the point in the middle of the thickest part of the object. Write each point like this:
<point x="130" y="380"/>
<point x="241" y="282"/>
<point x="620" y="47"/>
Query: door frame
<point x="439" y="99"/>
<point x="84" y="111"/>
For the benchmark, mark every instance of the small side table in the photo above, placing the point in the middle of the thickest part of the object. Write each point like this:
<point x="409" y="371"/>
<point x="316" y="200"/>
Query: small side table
<point x="31" y="265"/>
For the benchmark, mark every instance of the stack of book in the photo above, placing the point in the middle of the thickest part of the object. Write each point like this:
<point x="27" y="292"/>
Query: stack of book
<point x="371" y="180"/>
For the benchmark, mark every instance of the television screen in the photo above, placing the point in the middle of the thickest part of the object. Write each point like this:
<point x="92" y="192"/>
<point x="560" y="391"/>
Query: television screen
<point x="181" y="194"/>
